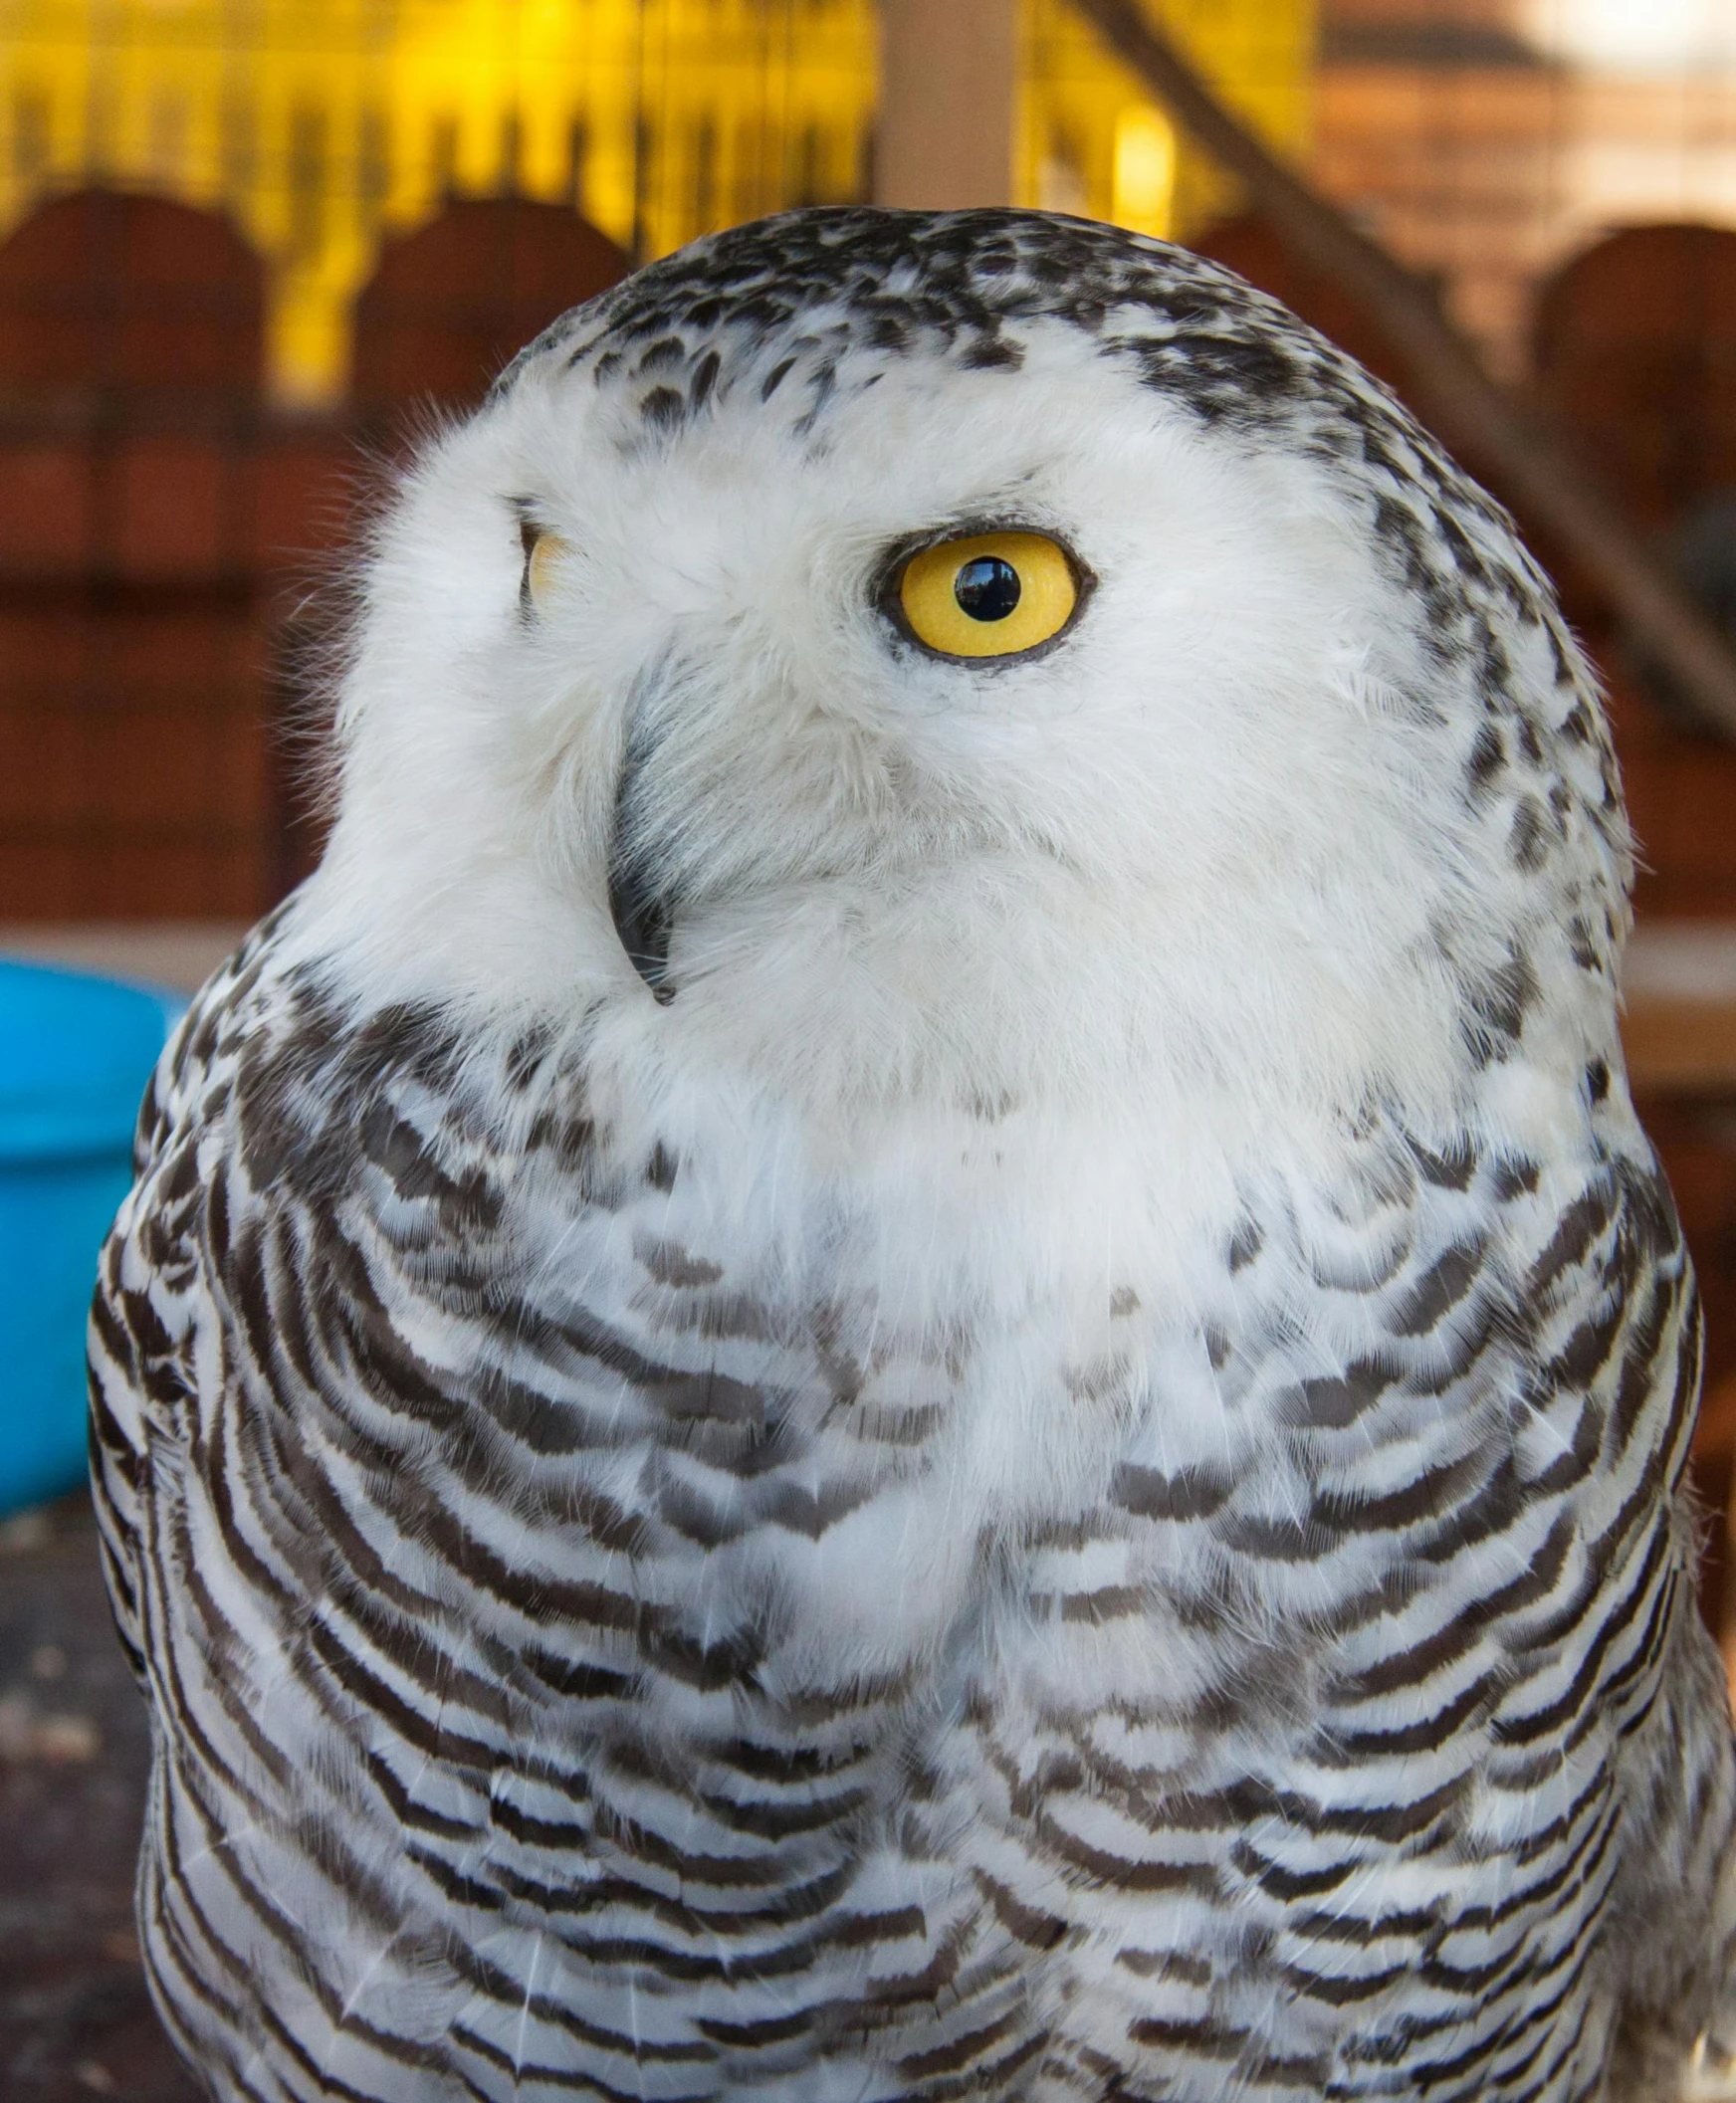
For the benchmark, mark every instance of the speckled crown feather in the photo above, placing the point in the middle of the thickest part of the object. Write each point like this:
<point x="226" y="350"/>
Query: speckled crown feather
<point x="820" y="302"/>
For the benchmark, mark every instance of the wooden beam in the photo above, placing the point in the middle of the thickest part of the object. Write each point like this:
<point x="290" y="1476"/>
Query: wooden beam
<point x="1447" y="384"/>
<point x="943" y="137"/>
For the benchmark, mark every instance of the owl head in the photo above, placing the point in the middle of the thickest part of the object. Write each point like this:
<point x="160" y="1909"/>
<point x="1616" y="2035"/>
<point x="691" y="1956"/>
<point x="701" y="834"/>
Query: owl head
<point x="975" y="655"/>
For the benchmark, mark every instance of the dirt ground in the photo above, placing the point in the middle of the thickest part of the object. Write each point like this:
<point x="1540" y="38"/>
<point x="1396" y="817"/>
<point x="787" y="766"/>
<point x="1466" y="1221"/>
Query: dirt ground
<point x="75" y="2020"/>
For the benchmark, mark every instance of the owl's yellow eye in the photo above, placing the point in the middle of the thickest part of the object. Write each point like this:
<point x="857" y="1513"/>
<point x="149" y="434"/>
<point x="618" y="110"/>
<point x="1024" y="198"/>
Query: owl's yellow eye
<point x="543" y="554"/>
<point x="989" y="594"/>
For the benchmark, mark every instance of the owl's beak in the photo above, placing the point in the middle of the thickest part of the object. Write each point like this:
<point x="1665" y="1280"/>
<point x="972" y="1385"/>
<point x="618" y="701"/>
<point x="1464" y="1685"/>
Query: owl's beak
<point x="644" y="915"/>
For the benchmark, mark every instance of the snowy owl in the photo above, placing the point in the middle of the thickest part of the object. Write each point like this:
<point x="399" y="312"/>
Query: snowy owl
<point x="910" y="1340"/>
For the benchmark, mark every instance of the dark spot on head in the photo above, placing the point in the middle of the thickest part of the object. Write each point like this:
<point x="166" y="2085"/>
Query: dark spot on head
<point x="663" y="407"/>
<point x="667" y="350"/>
<point x="989" y="353"/>
<point x="705" y="379"/>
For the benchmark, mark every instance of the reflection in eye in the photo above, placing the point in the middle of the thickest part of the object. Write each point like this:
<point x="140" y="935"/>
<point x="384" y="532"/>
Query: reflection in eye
<point x="989" y="594"/>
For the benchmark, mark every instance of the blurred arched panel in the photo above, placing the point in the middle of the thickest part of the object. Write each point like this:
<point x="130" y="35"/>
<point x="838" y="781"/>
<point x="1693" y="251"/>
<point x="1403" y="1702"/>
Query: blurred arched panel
<point x="1635" y="352"/>
<point x="450" y="303"/>
<point x="108" y="293"/>
<point x="1634" y="357"/>
<point x="134" y="744"/>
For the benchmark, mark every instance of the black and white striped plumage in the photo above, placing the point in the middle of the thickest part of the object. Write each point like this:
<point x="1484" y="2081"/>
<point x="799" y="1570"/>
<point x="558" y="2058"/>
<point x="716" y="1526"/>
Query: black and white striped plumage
<point x="1058" y="1470"/>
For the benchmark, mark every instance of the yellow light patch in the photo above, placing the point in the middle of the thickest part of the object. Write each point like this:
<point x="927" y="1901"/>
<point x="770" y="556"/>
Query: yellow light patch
<point x="989" y="594"/>
<point x="1145" y="170"/>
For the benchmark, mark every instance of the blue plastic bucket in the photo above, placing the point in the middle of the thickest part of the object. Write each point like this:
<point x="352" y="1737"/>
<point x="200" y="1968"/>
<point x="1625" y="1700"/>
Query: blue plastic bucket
<point x="75" y="1053"/>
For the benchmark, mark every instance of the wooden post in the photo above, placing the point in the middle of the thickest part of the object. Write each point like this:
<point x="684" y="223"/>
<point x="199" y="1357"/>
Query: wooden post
<point x="1445" y="379"/>
<point x="947" y="79"/>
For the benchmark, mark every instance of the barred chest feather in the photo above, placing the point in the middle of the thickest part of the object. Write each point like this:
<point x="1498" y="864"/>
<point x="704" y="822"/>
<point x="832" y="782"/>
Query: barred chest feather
<point x="669" y="1660"/>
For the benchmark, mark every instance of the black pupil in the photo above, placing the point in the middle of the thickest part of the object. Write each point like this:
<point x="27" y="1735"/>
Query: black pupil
<point x="987" y="588"/>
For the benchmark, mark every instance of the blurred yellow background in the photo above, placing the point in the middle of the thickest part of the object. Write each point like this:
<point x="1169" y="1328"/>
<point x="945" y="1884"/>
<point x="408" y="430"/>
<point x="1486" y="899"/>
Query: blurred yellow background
<point x="321" y="126"/>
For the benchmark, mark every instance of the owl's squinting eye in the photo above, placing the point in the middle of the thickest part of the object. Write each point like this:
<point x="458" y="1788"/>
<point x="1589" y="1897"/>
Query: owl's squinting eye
<point x="989" y="594"/>
<point x="543" y="553"/>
